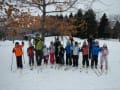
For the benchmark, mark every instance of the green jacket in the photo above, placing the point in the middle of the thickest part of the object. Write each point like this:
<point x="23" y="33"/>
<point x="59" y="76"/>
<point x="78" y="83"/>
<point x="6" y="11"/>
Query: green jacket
<point x="38" y="44"/>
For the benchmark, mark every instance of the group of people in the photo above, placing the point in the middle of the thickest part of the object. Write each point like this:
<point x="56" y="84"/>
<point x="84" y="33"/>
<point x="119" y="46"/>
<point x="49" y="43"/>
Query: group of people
<point x="56" y="53"/>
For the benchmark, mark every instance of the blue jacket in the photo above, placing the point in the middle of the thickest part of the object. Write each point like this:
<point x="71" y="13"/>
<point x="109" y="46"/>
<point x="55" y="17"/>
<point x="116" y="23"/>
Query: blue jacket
<point x="68" y="49"/>
<point x="95" y="50"/>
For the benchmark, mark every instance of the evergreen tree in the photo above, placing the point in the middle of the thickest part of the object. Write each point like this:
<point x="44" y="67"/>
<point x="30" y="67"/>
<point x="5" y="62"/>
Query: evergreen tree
<point x="116" y="30"/>
<point x="104" y="28"/>
<point x="78" y="23"/>
<point x="71" y="15"/>
<point x="79" y="14"/>
<point x="90" y="18"/>
<point x="61" y="16"/>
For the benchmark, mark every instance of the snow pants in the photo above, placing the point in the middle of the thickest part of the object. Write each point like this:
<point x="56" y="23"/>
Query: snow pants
<point x="62" y="59"/>
<point x="39" y="56"/>
<point x="85" y="61"/>
<point x="94" y="61"/>
<point x="68" y="59"/>
<point x="31" y="60"/>
<point x="52" y="58"/>
<point x="19" y="62"/>
<point x="46" y="59"/>
<point x="75" y="60"/>
<point x="104" y="59"/>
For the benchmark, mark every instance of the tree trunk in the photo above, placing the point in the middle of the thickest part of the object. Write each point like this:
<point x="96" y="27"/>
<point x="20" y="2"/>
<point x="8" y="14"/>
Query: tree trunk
<point x="43" y="20"/>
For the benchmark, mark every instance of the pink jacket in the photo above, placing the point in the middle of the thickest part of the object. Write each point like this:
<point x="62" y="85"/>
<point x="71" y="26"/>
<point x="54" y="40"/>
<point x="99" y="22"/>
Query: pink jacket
<point x="104" y="52"/>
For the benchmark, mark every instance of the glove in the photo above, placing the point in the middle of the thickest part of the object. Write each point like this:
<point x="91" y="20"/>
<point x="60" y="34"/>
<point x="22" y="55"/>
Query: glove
<point x="13" y="51"/>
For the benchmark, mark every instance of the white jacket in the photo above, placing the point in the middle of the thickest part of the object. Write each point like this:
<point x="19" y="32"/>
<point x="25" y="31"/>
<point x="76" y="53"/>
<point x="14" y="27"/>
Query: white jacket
<point x="45" y="51"/>
<point x="76" y="50"/>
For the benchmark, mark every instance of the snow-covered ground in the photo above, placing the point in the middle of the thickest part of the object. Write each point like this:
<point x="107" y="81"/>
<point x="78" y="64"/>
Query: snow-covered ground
<point x="54" y="79"/>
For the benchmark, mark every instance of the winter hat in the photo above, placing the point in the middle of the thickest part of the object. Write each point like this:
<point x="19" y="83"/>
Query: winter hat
<point x="85" y="42"/>
<point x="96" y="42"/>
<point x="51" y="43"/>
<point x="104" y="45"/>
<point x="76" y="43"/>
<point x="17" y="43"/>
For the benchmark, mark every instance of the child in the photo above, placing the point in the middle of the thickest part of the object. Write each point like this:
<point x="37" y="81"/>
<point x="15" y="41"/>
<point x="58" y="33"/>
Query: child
<point x="76" y="51"/>
<point x="95" y="51"/>
<point x="68" y="50"/>
<point x="85" y="51"/>
<point x="18" y="53"/>
<point x="45" y="54"/>
<point x="52" y="52"/>
<point x="30" y="53"/>
<point x="104" y="57"/>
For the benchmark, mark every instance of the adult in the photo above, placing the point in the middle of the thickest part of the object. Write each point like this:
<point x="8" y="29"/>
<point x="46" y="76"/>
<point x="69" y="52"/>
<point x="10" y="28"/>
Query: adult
<point x="57" y="45"/>
<point x="38" y="43"/>
<point x="90" y="42"/>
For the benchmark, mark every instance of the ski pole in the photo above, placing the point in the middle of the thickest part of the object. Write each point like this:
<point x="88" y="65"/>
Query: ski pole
<point x="23" y="58"/>
<point x="12" y="62"/>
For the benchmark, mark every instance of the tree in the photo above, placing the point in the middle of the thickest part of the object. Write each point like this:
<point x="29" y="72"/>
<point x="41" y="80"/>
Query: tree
<point x="90" y="18"/>
<point x="80" y="23"/>
<point x="116" y="30"/>
<point x="71" y="15"/>
<point x="51" y="6"/>
<point x="46" y="7"/>
<point x="2" y="32"/>
<point x="104" y="28"/>
<point x="58" y="5"/>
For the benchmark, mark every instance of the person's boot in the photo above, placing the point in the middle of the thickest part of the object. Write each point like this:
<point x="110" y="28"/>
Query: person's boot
<point x="101" y="67"/>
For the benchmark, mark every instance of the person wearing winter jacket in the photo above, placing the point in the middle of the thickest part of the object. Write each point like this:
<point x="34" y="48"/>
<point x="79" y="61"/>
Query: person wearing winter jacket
<point x="85" y="51"/>
<point x="95" y="51"/>
<point x="57" y="45"/>
<point x="30" y="53"/>
<point x="52" y="53"/>
<point x="18" y="53"/>
<point x="104" y="57"/>
<point x="61" y="54"/>
<point x="76" y="51"/>
<point x="90" y="42"/>
<point x="68" y="51"/>
<point x="45" y="54"/>
<point x="38" y="43"/>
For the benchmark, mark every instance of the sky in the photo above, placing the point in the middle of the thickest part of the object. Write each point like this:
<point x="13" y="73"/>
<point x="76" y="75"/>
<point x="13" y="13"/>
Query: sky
<point x="109" y="6"/>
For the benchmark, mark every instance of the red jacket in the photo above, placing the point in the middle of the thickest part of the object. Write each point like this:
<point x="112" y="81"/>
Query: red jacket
<point x="30" y="51"/>
<point x="85" y="49"/>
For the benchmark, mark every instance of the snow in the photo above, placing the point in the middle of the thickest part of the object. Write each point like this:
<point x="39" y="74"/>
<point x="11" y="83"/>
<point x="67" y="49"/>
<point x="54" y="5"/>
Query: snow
<point x="54" y="79"/>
